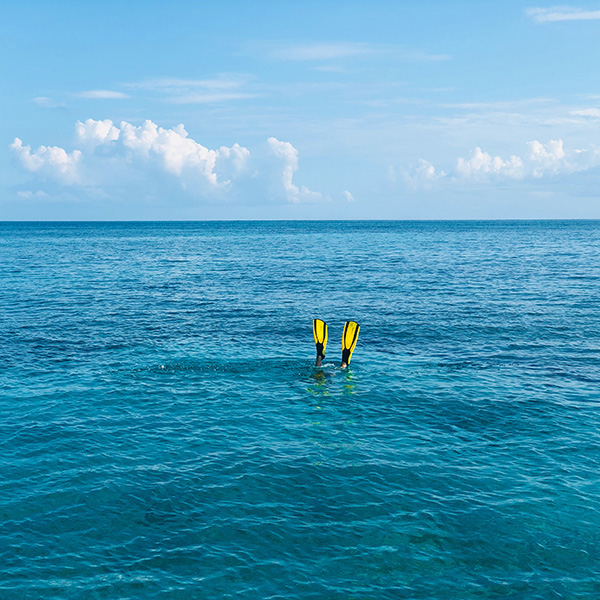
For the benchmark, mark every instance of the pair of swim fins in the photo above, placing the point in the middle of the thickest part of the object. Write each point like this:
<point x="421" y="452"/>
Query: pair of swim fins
<point x="349" y="338"/>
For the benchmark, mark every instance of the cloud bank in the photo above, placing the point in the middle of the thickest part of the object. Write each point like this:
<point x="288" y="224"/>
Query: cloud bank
<point x="108" y="156"/>
<point x="541" y="161"/>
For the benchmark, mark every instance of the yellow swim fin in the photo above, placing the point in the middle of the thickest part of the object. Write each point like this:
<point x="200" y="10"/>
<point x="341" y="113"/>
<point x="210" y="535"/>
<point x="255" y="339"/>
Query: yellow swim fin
<point x="320" y="335"/>
<point x="349" y="337"/>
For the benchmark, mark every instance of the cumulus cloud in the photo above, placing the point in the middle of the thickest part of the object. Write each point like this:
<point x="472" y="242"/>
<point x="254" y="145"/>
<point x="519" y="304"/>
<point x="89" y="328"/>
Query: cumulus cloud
<point x="110" y="155"/>
<point x="423" y="175"/>
<point x="171" y="150"/>
<point x="548" y="158"/>
<point x="95" y="133"/>
<point x="287" y="155"/>
<point x="541" y="161"/>
<point x="50" y="161"/>
<point x="482" y="163"/>
<point x="232" y="163"/>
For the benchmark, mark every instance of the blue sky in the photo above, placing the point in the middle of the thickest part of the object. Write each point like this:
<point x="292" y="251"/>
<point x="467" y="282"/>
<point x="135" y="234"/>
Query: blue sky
<point x="299" y="109"/>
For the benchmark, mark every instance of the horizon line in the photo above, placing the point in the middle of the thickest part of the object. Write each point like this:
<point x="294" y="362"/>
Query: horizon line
<point x="421" y="220"/>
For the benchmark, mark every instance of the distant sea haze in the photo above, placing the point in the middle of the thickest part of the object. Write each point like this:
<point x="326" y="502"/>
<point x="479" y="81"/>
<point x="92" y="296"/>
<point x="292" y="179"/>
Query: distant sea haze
<point x="166" y="435"/>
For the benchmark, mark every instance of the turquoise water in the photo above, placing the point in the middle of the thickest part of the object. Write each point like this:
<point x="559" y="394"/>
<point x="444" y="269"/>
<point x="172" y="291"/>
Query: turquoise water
<point x="165" y="435"/>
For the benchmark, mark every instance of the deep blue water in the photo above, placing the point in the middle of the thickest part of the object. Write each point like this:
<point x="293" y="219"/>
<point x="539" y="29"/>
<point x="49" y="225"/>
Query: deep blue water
<point x="165" y="435"/>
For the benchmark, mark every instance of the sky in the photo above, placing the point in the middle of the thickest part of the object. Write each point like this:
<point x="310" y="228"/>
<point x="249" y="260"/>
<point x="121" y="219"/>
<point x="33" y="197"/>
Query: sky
<point x="283" y="109"/>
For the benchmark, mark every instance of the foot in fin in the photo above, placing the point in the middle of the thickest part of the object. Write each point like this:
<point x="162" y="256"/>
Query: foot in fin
<point x="320" y="335"/>
<point x="349" y="337"/>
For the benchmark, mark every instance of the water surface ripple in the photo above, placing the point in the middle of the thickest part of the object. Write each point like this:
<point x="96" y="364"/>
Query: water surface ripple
<point x="164" y="434"/>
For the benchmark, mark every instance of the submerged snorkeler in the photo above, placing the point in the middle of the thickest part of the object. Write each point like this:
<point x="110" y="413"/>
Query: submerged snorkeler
<point x="349" y="337"/>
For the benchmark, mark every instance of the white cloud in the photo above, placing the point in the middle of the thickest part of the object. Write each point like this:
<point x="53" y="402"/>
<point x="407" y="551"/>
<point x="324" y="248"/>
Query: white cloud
<point x="423" y="175"/>
<point x="349" y="197"/>
<point x="30" y="195"/>
<point x="223" y="88"/>
<point x="321" y="51"/>
<point x="109" y="155"/>
<point x="562" y="13"/>
<point x="506" y="105"/>
<point x="174" y="84"/>
<point x="210" y="98"/>
<point x="94" y="133"/>
<point x="549" y="158"/>
<point x="50" y="162"/>
<point x="427" y="170"/>
<point x="593" y="113"/>
<point x="419" y="56"/>
<point x="482" y="163"/>
<point x="288" y="157"/>
<point x="541" y="161"/>
<point x="172" y="149"/>
<point x="232" y="163"/>
<point x="102" y="95"/>
<point x="46" y="102"/>
<point x="333" y="51"/>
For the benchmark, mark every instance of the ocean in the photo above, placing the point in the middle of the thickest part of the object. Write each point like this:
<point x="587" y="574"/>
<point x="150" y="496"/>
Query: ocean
<point x="164" y="433"/>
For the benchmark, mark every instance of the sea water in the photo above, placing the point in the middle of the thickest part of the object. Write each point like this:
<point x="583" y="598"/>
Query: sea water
<point x="164" y="433"/>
